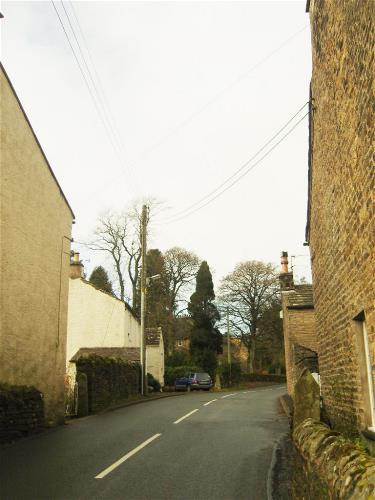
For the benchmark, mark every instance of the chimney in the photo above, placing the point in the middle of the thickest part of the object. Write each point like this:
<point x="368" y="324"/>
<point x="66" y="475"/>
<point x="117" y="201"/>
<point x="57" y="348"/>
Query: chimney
<point x="76" y="266"/>
<point x="285" y="277"/>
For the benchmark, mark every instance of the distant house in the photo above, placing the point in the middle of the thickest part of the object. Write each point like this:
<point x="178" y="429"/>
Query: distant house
<point x="182" y="331"/>
<point x="36" y="222"/>
<point x="299" y="327"/>
<point x="238" y="352"/>
<point x="341" y="217"/>
<point x="102" y="323"/>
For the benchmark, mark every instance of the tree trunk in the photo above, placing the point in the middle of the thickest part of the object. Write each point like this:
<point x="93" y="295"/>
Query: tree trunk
<point x="251" y="355"/>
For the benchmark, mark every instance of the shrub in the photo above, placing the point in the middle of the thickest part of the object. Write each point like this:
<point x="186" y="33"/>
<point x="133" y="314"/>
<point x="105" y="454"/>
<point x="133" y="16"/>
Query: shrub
<point x="152" y="382"/>
<point x="235" y="373"/>
<point x="178" y="358"/>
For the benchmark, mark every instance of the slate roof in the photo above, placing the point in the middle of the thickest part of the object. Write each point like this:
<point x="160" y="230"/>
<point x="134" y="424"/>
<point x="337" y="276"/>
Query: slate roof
<point x="153" y="336"/>
<point x="301" y="297"/>
<point x="130" y="354"/>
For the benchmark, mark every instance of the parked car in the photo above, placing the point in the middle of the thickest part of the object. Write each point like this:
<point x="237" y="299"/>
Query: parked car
<point x="193" y="381"/>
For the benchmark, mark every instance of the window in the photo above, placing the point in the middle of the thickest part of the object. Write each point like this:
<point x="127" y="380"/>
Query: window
<point x="366" y="364"/>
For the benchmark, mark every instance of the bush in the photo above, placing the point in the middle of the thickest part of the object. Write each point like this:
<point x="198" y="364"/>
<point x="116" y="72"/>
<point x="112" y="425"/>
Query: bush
<point x="173" y="372"/>
<point x="152" y="382"/>
<point x="235" y="373"/>
<point x="179" y="358"/>
<point x="262" y="377"/>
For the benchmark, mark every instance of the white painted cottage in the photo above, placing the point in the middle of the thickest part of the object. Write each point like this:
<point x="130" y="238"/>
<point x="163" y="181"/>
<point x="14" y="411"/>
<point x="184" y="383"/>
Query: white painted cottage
<point x="98" y="320"/>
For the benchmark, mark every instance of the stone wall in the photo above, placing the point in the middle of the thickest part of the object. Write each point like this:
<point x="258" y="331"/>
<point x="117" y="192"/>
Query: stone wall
<point x="299" y="330"/>
<point x="341" y="226"/>
<point x="21" y="412"/>
<point x="109" y="381"/>
<point x="35" y="225"/>
<point x="330" y="467"/>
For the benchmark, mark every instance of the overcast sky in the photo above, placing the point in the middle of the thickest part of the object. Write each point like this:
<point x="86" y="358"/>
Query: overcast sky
<point x="194" y="90"/>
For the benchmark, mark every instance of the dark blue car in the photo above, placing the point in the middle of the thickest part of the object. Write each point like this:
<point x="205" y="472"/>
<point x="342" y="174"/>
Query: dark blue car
<point x="193" y="381"/>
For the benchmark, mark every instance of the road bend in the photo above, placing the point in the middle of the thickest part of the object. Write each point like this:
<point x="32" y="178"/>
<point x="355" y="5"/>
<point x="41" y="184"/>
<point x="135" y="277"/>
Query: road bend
<point x="199" y="446"/>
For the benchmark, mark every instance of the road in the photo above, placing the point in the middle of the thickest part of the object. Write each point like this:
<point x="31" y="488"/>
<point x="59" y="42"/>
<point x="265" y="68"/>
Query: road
<point x="222" y="450"/>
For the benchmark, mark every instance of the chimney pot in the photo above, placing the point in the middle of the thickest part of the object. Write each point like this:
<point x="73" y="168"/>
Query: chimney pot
<point x="284" y="262"/>
<point x="76" y="266"/>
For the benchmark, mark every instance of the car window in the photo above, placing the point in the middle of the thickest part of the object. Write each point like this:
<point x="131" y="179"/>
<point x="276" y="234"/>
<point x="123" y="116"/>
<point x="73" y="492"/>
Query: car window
<point x="202" y="376"/>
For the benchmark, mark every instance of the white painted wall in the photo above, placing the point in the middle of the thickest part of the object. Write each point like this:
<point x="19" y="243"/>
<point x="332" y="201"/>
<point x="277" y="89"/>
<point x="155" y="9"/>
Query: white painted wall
<point x="155" y="360"/>
<point x="96" y="319"/>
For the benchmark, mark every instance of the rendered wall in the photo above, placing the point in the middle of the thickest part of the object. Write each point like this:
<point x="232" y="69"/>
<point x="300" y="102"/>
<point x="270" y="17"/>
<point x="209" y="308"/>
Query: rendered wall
<point x="35" y="235"/>
<point x="96" y="319"/>
<point x="155" y="361"/>
<point x="342" y="199"/>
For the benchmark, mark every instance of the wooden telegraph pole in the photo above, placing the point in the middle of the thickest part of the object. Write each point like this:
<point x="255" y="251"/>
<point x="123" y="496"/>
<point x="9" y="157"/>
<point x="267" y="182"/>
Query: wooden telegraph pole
<point x="143" y="299"/>
<point x="229" y="353"/>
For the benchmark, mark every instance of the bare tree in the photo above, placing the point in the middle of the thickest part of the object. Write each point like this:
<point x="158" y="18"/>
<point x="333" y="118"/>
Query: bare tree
<point x="118" y="234"/>
<point x="248" y="292"/>
<point x="181" y="267"/>
<point x="109" y="236"/>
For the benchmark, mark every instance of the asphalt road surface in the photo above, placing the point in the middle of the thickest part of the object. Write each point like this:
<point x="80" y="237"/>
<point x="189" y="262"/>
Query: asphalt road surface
<point x="201" y="445"/>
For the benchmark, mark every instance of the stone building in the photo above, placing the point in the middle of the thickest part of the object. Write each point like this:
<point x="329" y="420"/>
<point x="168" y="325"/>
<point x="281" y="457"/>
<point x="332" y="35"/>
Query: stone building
<point x="36" y="222"/>
<point x="181" y="333"/>
<point x="341" y="207"/>
<point x="298" y="326"/>
<point x="238" y="352"/>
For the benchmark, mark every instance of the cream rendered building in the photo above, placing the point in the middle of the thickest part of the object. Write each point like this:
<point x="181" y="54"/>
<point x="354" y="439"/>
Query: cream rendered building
<point x="99" y="320"/>
<point x="35" y="238"/>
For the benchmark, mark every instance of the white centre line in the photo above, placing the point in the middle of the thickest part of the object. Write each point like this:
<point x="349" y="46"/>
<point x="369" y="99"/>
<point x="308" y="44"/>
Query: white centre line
<point x="209" y="402"/>
<point x="185" y="416"/>
<point x="227" y="395"/>
<point x="125" y="457"/>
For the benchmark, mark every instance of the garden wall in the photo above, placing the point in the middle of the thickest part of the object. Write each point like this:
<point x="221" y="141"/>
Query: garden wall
<point x="109" y="381"/>
<point x="21" y="411"/>
<point x="330" y="466"/>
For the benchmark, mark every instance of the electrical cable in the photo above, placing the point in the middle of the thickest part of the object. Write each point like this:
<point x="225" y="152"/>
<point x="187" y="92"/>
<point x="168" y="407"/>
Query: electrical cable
<point x="100" y="114"/>
<point x="101" y="95"/>
<point x="189" y="118"/>
<point x="241" y="176"/>
<point x="187" y="209"/>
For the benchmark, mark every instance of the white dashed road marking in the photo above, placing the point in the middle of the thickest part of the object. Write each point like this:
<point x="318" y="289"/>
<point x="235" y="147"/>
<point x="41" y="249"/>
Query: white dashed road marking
<point x="126" y="457"/>
<point x="185" y="416"/>
<point x="227" y="396"/>
<point x="209" y="402"/>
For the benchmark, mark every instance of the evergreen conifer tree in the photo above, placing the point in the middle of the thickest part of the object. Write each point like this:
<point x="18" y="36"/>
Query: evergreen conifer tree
<point x="205" y="340"/>
<point x="99" y="278"/>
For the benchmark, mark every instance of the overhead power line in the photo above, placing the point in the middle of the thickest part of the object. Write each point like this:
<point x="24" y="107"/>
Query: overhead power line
<point x="102" y="93"/>
<point x="242" y="167"/>
<point x="209" y="103"/>
<point x="191" y="212"/>
<point x="93" y="91"/>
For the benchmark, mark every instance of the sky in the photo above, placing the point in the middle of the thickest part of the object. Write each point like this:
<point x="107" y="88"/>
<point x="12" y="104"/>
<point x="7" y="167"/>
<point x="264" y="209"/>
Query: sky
<point x="189" y="92"/>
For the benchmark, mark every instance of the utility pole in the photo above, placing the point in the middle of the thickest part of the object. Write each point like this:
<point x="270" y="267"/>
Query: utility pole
<point x="143" y="299"/>
<point x="229" y="353"/>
